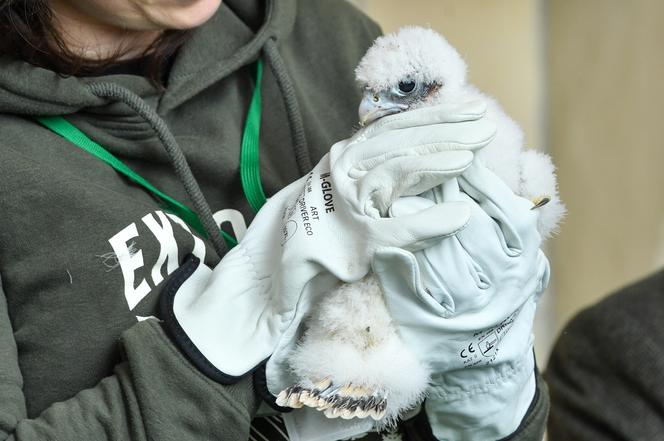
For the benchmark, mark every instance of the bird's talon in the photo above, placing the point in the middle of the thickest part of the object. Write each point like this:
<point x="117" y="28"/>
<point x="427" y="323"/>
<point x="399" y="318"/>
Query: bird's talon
<point x="540" y="201"/>
<point x="346" y="414"/>
<point x="290" y="397"/>
<point x="304" y="396"/>
<point x="282" y="398"/>
<point x="346" y="401"/>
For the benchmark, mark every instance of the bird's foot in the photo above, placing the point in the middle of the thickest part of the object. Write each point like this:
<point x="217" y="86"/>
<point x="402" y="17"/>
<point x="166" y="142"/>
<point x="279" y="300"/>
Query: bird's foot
<point x="336" y="401"/>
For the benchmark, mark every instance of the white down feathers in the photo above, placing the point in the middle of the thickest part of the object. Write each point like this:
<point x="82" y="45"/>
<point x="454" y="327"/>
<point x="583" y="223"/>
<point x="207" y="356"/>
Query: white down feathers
<point x="352" y="340"/>
<point x="401" y="55"/>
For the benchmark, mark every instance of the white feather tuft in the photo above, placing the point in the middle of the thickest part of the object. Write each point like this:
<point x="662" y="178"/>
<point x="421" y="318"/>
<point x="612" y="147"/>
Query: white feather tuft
<point x="502" y="154"/>
<point x="351" y="340"/>
<point x="538" y="177"/>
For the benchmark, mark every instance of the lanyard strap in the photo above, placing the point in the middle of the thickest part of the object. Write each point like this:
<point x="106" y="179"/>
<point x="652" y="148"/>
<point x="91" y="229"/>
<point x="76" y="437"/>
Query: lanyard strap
<point x="68" y="131"/>
<point x="249" y="157"/>
<point x="249" y="161"/>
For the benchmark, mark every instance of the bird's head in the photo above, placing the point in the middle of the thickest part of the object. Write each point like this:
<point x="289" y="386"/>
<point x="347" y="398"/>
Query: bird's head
<point x="410" y="68"/>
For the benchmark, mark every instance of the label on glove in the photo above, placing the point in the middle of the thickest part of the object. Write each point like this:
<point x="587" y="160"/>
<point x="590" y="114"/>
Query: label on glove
<point x="485" y="345"/>
<point x="304" y="214"/>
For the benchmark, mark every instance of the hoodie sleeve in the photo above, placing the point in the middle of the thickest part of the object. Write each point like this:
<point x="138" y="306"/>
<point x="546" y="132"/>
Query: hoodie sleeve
<point x="154" y="394"/>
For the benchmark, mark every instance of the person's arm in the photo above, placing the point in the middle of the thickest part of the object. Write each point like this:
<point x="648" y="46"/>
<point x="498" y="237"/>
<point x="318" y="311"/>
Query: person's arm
<point x="605" y="371"/>
<point x="154" y="394"/>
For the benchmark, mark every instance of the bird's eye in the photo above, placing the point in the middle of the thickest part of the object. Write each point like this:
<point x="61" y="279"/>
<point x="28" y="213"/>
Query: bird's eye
<point x="406" y="86"/>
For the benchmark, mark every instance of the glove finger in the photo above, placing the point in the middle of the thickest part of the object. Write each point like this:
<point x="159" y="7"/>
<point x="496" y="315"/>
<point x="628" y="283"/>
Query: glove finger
<point x="512" y="214"/>
<point x="409" y="205"/>
<point x="484" y="242"/>
<point x="481" y="240"/>
<point x="419" y="230"/>
<point x="421" y="318"/>
<point x="449" y="273"/>
<point x="399" y="275"/>
<point x="544" y="273"/>
<point x="410" y="142"/>
<point x="409" y="176"/>
<point x="442" y="113"/>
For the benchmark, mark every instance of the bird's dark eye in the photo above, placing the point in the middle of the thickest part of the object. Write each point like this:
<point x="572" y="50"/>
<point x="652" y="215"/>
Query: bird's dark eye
<point x="406" y="86"/>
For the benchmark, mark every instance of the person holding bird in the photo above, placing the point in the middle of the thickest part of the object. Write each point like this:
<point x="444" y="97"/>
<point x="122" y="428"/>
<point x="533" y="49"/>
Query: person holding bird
<point x="140" y="138"/>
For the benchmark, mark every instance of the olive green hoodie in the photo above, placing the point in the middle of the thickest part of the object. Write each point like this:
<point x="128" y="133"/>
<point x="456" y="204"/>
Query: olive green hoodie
<point x="84" y="251"/>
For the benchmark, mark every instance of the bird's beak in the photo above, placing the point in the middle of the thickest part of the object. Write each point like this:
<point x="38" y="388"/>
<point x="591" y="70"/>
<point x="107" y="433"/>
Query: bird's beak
<point x="376" y="105"/>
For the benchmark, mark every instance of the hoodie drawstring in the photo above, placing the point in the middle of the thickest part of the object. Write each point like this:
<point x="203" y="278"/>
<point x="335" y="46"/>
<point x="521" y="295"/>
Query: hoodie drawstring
<point x="182" y="170"/>
<point x="292" y="108"/>
<point x="114" y="92"/>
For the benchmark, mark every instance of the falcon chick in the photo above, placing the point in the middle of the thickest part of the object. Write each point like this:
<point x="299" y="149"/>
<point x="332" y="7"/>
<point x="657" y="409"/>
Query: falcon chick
<point x="350" y="360"/>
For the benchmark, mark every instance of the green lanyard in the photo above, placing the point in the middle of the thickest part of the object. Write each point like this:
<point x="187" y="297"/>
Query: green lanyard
<point x="249" y="161"/>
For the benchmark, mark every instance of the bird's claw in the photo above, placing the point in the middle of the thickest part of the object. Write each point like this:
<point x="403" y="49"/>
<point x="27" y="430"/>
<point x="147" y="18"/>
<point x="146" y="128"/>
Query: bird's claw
<point x="540" y="201"/>
<point x="347" y="401"/>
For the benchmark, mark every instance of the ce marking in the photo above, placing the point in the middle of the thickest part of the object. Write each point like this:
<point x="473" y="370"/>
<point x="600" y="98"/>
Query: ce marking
<point x="465" y="351"/>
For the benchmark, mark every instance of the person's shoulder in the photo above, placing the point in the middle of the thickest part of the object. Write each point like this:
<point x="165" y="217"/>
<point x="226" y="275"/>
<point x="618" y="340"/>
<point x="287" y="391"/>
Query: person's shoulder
<point x="605" y="369"/>
<point x="334" y="29"/>
<point x="622" y="333"/>
<point x="637" y="306"/>
<point x="340" y="14"/>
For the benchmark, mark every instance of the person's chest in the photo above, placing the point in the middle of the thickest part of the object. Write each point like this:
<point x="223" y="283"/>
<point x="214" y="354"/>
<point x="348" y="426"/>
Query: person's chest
<point x="84" y="251"/>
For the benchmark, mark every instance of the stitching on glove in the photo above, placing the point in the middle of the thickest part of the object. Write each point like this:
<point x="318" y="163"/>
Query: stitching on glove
<point x="508" y="374"/>
<point x="246" y="254"/>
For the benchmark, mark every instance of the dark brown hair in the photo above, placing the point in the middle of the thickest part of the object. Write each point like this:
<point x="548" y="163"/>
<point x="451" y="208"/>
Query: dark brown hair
<point x="27" y="32"/>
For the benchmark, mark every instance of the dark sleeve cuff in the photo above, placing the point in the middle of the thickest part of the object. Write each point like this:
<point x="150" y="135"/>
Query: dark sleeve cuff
<point x="178" y="335"/>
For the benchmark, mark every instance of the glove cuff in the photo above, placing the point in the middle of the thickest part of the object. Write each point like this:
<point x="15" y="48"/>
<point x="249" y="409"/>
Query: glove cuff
<point x="532" y="426"/>
<point x="175" y="330"/>
<point x="492" y="409"/>
<point x="260" y="385"/>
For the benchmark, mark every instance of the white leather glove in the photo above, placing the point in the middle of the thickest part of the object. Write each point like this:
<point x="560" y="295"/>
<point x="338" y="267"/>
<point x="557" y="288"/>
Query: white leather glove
<point x="466" y="307"/>
<point x="328" y="222"/>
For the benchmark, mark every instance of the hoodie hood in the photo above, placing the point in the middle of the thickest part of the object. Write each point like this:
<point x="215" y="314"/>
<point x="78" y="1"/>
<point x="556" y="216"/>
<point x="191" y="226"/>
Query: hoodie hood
<point x="232" y="38"/>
